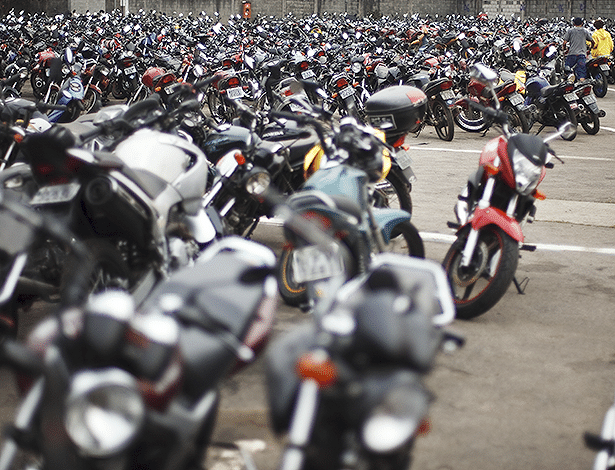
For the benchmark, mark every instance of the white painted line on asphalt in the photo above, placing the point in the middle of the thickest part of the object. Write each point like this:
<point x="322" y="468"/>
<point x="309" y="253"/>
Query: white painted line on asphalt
<point x="612" y="89"/>
<point x="610" y="129"/>
<point x="441" y="149"/>
<point x="444" y="238"/>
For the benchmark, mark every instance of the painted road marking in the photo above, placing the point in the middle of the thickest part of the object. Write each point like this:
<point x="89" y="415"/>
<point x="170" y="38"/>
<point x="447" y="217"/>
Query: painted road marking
<point x="610" y="129"/>
<point x="444" y="238"/>
<point x="441" y="149"/>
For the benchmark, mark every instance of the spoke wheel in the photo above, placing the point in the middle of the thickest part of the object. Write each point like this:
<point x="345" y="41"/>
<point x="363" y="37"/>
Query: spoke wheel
<point x="394" y="191"/>
<point x="516" y="120"/>
<point x="470" y="120"/>
<point x="478" y="287"/>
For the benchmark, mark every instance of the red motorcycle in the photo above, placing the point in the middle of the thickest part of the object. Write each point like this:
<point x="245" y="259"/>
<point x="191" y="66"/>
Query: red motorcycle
<point x="498" y="199"/>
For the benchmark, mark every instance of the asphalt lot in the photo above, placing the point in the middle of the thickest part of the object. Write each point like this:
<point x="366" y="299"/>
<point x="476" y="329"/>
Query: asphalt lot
<point x="538" y="369"/>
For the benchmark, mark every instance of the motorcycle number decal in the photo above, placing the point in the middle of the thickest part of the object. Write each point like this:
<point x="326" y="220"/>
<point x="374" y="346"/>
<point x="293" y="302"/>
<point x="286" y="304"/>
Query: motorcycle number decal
<point x="515" y="99"/>
<point x="235" y="93"/>
<point x="55" y="194"/>
<point x="171" y="88"/>
<point x="307" y="74"/>
<point x="311" y="263"/>
<point x="130" y="70"/>
<point x="346" y="92"/>
<point x="447" y="95"/>
<point x="403" y="159"/>
<point x="604" y="67"/>
<point x="384" y="122"/>
<point x="571" y="96"/>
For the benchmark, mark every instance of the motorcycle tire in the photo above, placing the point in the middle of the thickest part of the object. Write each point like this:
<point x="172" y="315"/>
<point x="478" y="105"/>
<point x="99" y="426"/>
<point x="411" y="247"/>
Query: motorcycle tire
<point x="91" y="101"/>
<point x="394" y="191"/>
<point x="470" y="120"/>
<point x="217" y="108"/>
<point x="563" y="112"/>
<point x="477" y="288"/>
<point x="294" y="293"/>
<point x="517" y="121"/>
<point x="117" y="90"/>
<point x="590" y="123"/>
<point x="109" y="270"/>
<point x="405" y="239"/>
<point x="443" y="120"/>
<point x="38" y="82"/>
<point x="601" y="84"/>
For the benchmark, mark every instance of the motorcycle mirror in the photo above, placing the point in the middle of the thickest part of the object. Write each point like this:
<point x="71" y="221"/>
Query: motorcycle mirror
<point x="483" y="74"/>
<point x="566" y="130"/>
<point x="68" y="55"/>
<point x="217" y="28"/>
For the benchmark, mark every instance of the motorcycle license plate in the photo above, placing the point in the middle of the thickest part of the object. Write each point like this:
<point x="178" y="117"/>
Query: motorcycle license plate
<point x="403" y="159"/>
<point x="346" y="92"/>
<point x="171" y="88"/>
<point x="447" y="95"/>
<point x="589" y="99"/>
<point x="515" y="99"/>
<point x="312" y="263"/>
<point x="604" y="67"/>
<point x="571" y="96"/>
<point x="235" y="93"/>
<point x="55" y="194"/>
<point x="130" y="70"/>
<point x="307" y="74"/>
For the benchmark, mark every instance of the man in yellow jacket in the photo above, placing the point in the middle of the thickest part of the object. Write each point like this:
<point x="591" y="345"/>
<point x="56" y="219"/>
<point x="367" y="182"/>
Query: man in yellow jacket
<point x="603" y="42"/>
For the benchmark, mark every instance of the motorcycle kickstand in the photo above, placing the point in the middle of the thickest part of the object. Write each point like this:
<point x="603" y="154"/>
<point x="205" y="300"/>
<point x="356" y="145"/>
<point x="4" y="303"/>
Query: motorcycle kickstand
<point x="541" y="128"/>
<point x="521" y="286"/>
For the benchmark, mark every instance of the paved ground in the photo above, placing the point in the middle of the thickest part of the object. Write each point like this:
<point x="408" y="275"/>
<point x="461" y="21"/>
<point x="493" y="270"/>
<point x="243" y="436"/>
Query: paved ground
<point x="538" y="369"/>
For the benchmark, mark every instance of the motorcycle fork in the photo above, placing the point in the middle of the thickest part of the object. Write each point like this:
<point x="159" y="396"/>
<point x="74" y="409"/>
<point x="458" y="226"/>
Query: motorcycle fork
<point x="483" y="203"/>
<point x="302" y="423"/>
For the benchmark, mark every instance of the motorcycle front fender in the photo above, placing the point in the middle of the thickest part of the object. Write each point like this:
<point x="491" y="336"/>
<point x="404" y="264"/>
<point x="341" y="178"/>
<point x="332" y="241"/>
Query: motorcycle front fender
<point x="492" y="216"/>
<point x="387" y="219"/>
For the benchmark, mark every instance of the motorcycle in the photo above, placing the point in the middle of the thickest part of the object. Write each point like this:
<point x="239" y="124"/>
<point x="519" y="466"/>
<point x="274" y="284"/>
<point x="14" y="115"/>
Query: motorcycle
<point x="339" y="194"/>
<point x="347" y="387"/>
<point x="588" y="112"/>
<point x="137" y="209"/>
<point x="598" y="69"/>
<point x="151" y="376"/>
<point x="497" y="200"/>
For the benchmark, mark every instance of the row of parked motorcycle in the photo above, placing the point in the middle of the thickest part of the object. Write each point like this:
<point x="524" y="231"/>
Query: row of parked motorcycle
<point x="135" y="220"/>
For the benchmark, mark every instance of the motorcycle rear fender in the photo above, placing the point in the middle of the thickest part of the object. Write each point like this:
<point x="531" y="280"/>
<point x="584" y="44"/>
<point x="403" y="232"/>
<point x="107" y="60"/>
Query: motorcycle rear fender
<point x="387" y="219"/>
<point x="493" y="216"/>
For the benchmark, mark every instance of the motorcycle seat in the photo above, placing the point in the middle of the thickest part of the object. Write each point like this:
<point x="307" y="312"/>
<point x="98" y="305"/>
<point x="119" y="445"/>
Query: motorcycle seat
<point x="548" y="90"/>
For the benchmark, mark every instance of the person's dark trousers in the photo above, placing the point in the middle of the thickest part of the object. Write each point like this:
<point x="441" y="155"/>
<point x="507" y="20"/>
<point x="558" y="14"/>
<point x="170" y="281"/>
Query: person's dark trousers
<point x="580" y="71"/>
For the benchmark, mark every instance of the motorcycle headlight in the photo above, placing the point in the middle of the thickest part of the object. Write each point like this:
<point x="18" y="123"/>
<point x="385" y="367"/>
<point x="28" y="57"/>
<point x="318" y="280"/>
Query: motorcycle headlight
<point x="104" y="411"/>
<point x="65" y="69"/>
<point x="258" y="182"/>
<point x="382" y="71"/>
<point x="356" y="67"/>
<point x="394" y="422"/>
<point x="527" y="174"/>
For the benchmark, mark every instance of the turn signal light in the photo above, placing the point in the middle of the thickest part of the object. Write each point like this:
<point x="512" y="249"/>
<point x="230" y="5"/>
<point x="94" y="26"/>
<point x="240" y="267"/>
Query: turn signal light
<point x="240" y="159"/>
<point x="491" y="169"/>
<point x="318" y="366"/>
<point x="539" y="195"/>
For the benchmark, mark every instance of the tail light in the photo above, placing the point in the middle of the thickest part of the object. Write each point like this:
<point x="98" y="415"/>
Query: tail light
<point x="233" y="82"/>
<point x="57" y="171"/>
<point x="341" y="83"/>
<point x="304" y="65"/>
<point x="446" y="85"/>
<point x="585" y="90"/>
<point x="228" y="63"/>
<point x="569" y="88"/>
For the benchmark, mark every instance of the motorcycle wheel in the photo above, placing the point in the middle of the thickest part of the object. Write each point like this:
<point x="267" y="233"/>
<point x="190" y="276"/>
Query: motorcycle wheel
<point x="217" y="108"/>
<point x="405" y="239"/>
<point x="37" y="81"/>
<point x="591" y="123"/>
<point x="443" y="120"/>
<point x="482" y="284"/>
<point x="109" y="270"/>
<point x="294" y="293"/>
<point x="470" y="120"/>
<point x="91" y="101"/>
<point x="117" y="90"/>
<point x="517" y="121"/>
<point x="563" y="112"/>
<point x="394" y="191"/>
<point x="601" y="84"/>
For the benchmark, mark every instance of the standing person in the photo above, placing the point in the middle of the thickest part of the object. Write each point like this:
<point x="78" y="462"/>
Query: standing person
<point x="603" y="42"/>
<point x="577" y="37"/>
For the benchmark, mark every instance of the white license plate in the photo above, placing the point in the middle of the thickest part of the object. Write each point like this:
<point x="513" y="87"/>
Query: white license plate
<point x="447" y="95"/>
<point x="55" y="194"/>
<point x="515" y="99"/>
<point x="589" y="99"/>
<point x="307" y="74"/>
<point x="403" y="159"/>
<point x="235" y="93"/>
<point x="604" y="67"/>
<point x="130" y="70"/>
<point x="346" y="92"/>
<point x="312" y="263"/>
<point x="169" y="90"/>
<point x="571" y="96"/>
